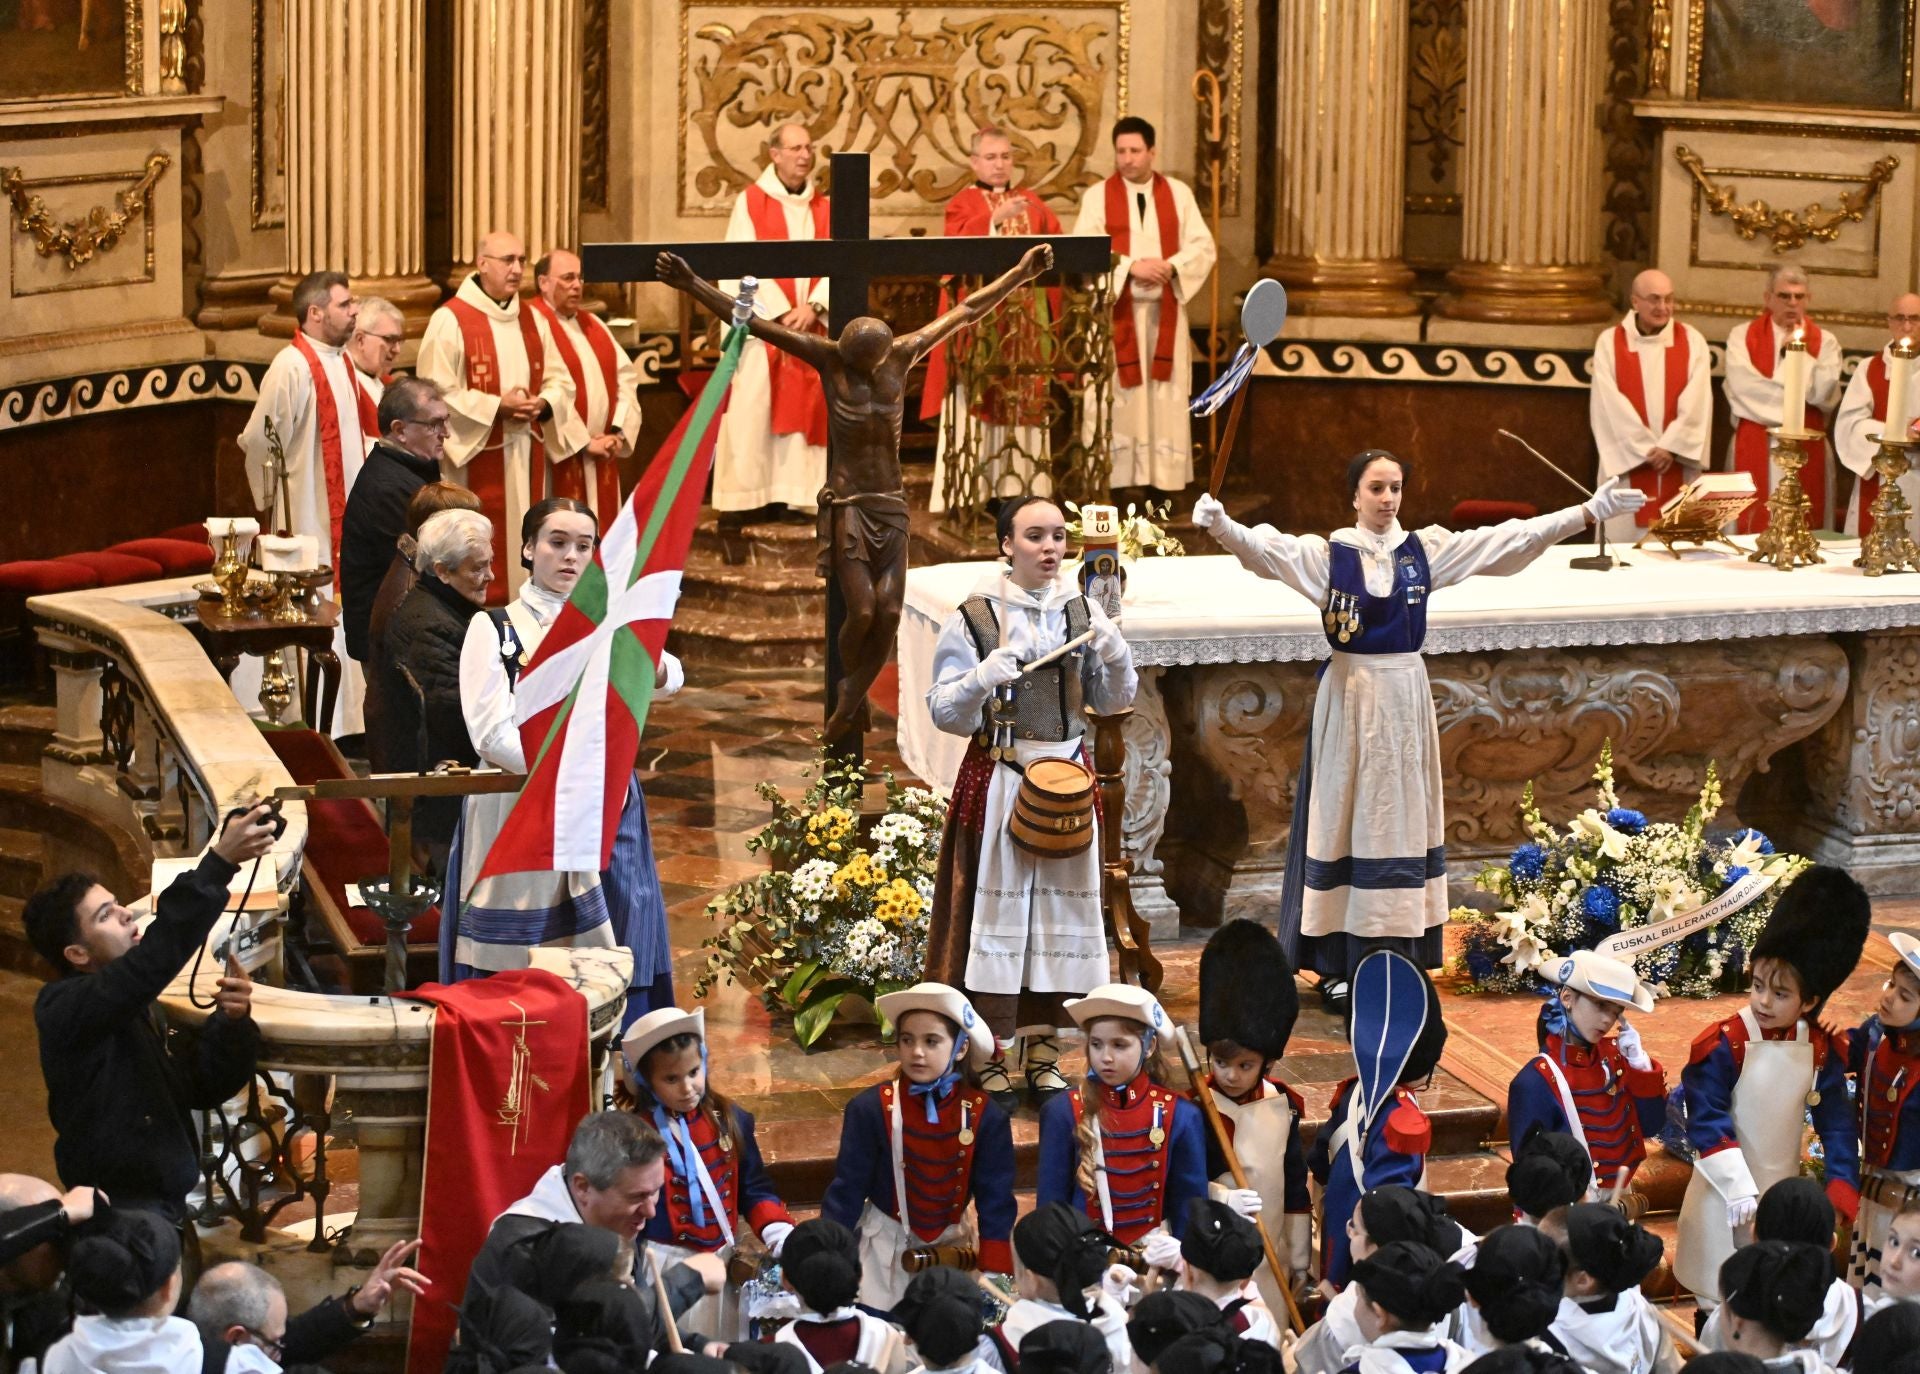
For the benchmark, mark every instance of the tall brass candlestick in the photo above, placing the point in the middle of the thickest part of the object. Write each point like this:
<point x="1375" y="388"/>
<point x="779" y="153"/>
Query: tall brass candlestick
<point x="1787" y="542"/>
<point x="1888" y="547"/>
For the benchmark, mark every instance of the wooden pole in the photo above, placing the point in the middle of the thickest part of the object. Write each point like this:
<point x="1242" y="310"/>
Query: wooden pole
<point x="666" y="1308"/>
<point x="1225" y="451"/>
<point x="1204" y="1093"/>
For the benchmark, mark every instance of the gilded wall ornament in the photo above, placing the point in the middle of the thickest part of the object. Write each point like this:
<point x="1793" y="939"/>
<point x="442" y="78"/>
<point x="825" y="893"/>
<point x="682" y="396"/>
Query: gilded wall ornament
<point x="94" y="232"/>
<point x="1221" y="32"/>
<point x="1789" y="230"/>
<point x="1437" y="83"/>
<point x="910" y="88"/>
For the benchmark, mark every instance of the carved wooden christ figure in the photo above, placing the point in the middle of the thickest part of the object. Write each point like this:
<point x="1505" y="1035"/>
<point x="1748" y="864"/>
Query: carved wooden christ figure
<point x="863" y="507"/>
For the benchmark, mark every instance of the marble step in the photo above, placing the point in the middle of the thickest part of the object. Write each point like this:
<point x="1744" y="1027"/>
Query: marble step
<point x="24" y="733"/>
<point x="740" y="639"/>
<point x="23" y="861"/>
<point x="756" y="590"/>
<point x="762" y="544"/>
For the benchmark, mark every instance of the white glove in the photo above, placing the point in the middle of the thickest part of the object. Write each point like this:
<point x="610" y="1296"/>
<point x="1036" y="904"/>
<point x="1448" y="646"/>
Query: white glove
<point x="1614" y="499"/>
<point x="1161" y="1251"/>
<point x="998" y="668"/>
<point x="1246" y="1201"/>
<point x="1740" y="1211"/>
<point x="775" y="1235"/>
<point x="1630" y="1046"/>
<point x="671" y="677"/>
<point x="1207" y="512"/>
<point x="1108" y="642"/>
<point x="1118" y="1284"/>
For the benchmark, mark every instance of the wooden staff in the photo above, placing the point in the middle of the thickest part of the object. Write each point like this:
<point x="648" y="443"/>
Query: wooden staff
<point x="1204" y="1092"/>
<point x="1225" y="451"/>
<point x="666" y="1308"/>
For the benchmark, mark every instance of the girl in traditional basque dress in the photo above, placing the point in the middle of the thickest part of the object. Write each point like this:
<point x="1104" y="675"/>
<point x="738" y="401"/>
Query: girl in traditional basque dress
<point x="821" y="1265"/>
<point x="1753" y="1080"/>
<point x="1366" y="858"/>
<point x="1064" y="1275"/>
<point x="495" y="922"/>
<point x="931" y="1137"/>
<point x="715" y="1177"/>
<point x="1019" y="933"/>
<point x="1883" y="1055"/>
<point x="1407" y="1293"/>
<point x="1125" y="1149"/>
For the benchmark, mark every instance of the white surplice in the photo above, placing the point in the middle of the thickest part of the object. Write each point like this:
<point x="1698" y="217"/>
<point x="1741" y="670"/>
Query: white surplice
<point x="1761" y="399"/>
<point x="1628" y="1339"/>
<point x="752" y="467"/>
<point x="1852" y="423"/>
<point x="287" y="398"/>
<point x="1623" y="438"/>
<point x="600" y="412"/>
<point x="1152" y="433"/>
<point x="443" y="360"/>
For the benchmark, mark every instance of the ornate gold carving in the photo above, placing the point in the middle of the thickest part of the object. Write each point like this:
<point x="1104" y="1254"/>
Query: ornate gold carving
<point x="1659" y="45"/>
<point x="1789" y="229"/>
<point x="98" y="230"/>
<point x="910" y="95"/>
<point x="1437" y="81"/>
<point x="266" y="118"/>
<point x="1628" y="197"/>
<point x="173" y="47"/>
<point x="594" y="38"/>
<point x="1222" y="34"/>
<point x="136" y="68"/>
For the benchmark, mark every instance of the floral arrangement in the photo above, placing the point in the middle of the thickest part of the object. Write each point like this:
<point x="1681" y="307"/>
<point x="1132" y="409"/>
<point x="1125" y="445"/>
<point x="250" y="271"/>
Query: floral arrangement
<point x="841" y="914"/>
<point x="1611" y="870"/>
<point x="1142" y="530"/>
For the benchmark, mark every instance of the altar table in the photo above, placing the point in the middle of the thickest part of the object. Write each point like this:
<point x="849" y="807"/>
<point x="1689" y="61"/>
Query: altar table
<point x="1679" y="661"/>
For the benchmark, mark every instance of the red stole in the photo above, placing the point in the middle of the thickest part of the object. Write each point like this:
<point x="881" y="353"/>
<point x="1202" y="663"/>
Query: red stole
<point x="799" y="402"/>
<point x="487" y="470"/>
<point x="1126" y="347"/>
<point x="332" y="460"/>
<point x="569" y="475"/>
<point x="1870" y="484"/>
<point x="1660" y="487"/>
<point x="1752" y="445"/>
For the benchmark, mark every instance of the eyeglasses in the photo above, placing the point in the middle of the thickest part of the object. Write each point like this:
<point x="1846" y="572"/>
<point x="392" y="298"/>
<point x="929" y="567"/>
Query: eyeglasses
<point x="272" y="1348"/>
<point x="390" y="340"/>
<point x="431" y="426"/>
<point x="519" y="258"/>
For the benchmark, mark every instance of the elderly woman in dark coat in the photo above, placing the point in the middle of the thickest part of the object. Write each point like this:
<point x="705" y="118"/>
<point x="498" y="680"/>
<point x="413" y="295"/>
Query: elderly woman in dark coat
<point x="420" y="665"/>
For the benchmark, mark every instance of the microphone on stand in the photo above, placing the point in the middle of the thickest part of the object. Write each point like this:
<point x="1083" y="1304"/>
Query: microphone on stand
<point x="1599" y="562"/>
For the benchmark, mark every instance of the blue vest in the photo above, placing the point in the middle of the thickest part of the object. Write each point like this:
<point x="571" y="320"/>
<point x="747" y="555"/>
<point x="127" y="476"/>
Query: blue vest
<point x="1391" y="624"/>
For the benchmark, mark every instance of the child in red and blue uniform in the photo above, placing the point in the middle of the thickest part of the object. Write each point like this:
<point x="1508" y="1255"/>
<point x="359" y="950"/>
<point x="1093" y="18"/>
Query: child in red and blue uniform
<point x="1883" y="1055"/>
<point x="1376" y="1134"/>
<point x="715" y="1176"/>
<point x="1753" y="1079"/>
<point x="1125" y="1148"/>
<point x="1602" y="1089"/>
<point x="954" y="1146"/>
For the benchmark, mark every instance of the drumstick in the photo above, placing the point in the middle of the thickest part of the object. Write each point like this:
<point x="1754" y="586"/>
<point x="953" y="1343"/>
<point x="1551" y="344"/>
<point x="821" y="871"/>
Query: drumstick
<point x="1547" y="462"/>
<point x="666" y="1308"/>
<point x="1060" y="652"/>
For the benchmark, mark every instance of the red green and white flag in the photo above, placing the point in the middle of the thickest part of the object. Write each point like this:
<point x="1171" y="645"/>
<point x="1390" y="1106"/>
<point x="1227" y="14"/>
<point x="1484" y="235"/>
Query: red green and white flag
<point x="581" y="702"/>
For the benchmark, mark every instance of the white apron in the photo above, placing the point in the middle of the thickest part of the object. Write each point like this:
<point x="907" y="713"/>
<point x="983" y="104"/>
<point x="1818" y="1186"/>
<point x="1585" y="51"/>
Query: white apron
<point x="1260" y="1131"/>
<point x="1031" y="926"/>
<point x="883" y="1241"/>
<point x="1768" y="1110"/>
<point x="1376" y="793"/>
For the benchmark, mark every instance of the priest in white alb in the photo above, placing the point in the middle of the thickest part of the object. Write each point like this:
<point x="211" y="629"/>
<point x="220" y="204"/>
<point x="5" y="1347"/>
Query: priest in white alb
<point x="324" y="420"/>
<point x="512" y="400"/>
<point x="378" y="335"/>
<point x="1756" y="393"/>
<point x="1165" y="254"/>
<point x="1863" y="414"/>
<point x="1652" y="401"/>
<point x="772" y="446"/>
<point x="606" y="386"/>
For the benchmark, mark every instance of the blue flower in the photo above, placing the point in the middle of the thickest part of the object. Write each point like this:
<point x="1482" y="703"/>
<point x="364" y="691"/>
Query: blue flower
<point x="1529" y="861"/>
<point x="1480" y="964"/>
<point x="1601" y="905"/>
<point x="1766" y="845"/>
<point x="1663" y="964"/>
<point x="1626" y="821"/>
<point x="1735" y="874"/>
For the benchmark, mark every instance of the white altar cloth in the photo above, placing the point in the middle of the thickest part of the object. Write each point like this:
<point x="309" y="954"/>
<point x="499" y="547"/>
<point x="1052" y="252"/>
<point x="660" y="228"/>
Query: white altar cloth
<point x="1211" y="610"/>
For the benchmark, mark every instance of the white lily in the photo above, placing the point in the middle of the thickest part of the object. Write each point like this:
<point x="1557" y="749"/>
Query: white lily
<point x="1591" y="825"/>
<point x="1747" y="854"/>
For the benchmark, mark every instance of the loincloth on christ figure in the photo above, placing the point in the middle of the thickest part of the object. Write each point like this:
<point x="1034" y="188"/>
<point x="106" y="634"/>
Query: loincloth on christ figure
<point x="872" y="528"/>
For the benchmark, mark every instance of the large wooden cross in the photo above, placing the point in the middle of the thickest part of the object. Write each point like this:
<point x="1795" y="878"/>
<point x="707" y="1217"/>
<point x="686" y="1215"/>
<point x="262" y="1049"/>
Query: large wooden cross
<point x="850" y="259"/>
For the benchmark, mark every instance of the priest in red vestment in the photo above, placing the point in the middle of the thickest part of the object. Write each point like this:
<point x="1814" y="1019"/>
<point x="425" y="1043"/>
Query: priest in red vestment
<point x="1863" y="414"/>
<point x="1652" y="401"/>
<point x="1756" y="394"/>
<point x="605" y="384"/>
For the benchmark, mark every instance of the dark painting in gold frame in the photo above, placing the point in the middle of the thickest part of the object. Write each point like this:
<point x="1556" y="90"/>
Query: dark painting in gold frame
<point x="67" y="49"/>
<point x="1841" y="54"/>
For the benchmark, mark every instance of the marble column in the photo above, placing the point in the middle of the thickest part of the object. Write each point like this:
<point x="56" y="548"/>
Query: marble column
<point x="1343" y="113"/>
<point x="516" y="124"/>
<point x="1530" y="240"/>
<point x="356" y="136"/>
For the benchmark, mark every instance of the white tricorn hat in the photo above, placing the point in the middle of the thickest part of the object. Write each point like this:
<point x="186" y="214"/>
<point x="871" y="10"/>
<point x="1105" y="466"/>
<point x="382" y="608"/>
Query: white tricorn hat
<point x="1607" y="980"/>
<point x="1908" y="949"/>
<point x="659" y="1025"/>
<point x="948" y="1002"/>
<point x="1120" y="999"/>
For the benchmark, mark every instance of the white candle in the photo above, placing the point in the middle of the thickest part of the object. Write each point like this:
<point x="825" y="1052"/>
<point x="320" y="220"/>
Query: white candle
<point x="1793" y="378"/>
<point x="1899" y="392"/>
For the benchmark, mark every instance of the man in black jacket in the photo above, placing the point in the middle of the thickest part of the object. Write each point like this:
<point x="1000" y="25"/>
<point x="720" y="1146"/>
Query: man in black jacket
<point x="413" y="433"/>
<point x="239" y="1304"/>
<point x="119" y="1089"/>
<point x="36" y="1225"/>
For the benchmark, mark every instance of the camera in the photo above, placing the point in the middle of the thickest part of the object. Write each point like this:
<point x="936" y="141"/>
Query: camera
<point x="273" y="809"/>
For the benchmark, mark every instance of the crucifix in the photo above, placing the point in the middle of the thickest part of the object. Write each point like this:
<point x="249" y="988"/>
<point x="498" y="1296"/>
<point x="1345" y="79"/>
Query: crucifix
<point x="857" y="517"/>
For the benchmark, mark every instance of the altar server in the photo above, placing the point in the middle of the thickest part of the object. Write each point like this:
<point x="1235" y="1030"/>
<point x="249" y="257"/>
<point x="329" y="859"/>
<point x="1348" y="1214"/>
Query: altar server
<point x="771" y="449"/>
<point x="1753" y="1079"/>
<point x="1019" y="932"/>
<point x="1125" y="1147"/>
<point x="1883" y="1056"/>
<point x="929" y="1141"/>
<point x="1164" y="254"/>
<point x="498" y="920"/>
<point x="1863" y="413"/>
<point x="1756" y="392"/>
<point x="1375" y="1133"/>
<point x="1366" y="858"/>
<point x="1592" y="1078"/>
<point x="605" y="385"/>
<point x="1248" y="1005"/>
<point x="1651" y="404"/>
<point x="1013" y="412"/>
